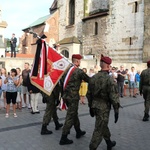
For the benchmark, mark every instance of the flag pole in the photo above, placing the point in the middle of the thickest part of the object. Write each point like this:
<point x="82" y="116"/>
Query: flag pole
<point x="35" y="35"/>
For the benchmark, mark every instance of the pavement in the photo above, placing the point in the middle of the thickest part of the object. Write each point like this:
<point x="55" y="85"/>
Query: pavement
<point x="23" y="132"/>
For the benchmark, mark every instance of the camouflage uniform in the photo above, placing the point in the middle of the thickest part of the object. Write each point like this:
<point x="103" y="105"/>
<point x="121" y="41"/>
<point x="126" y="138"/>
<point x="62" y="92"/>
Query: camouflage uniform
<point x="102" y="92"/>
<point x="145" y="89"/>
<point x="71" y="97"/>
<point x="50" y="101"/>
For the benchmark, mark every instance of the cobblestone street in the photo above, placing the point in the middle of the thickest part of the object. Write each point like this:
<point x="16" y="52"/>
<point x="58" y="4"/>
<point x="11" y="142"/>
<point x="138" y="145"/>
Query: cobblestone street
<point x="23" y="133"/>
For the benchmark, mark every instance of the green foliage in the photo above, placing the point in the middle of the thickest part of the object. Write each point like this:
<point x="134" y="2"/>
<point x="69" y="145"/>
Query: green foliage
<point x="8" y="43"/>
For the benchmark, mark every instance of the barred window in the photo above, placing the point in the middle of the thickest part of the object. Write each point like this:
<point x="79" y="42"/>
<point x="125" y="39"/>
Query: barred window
<point x="65" y="53"/>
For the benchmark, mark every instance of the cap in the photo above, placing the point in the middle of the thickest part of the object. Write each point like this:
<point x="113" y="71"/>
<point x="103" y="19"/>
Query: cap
<point x="76" y="56"/>
<point x="105" y="59"/>
<point x="148" y="63"/>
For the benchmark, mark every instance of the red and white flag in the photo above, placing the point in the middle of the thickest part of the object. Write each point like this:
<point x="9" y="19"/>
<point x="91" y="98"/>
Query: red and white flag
<point x="48" y="67"/>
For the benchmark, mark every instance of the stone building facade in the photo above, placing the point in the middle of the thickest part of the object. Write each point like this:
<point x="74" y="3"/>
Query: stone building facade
<point x="120" y="30"/>
<point x="71" y="13"/>
<point x="116" y="28"/>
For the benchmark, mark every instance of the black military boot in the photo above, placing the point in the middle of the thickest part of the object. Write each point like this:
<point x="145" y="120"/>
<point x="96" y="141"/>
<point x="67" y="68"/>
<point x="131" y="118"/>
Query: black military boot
<point x="110" y="144"/>
<point x="58" y="125"/>
<point x="79" y="133"/>
<point x="146" y="117"/>
<point x="44" y="130"/>
<point x="64" y="140"/>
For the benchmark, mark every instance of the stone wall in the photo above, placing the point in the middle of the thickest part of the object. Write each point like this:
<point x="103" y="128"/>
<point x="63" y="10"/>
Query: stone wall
<point x="94" y="44"/>
<point x="146" y="48"/>
<point x="66" y="31"/>
<point x="125" y="29"/>
<point x="97" y="5"/>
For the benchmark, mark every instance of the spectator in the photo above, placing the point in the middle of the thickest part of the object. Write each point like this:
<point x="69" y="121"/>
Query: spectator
<point x="4" y="86"/>
<point x="113" y="74"/>
<point x="120" y="80"/>
<point x="91" y="72"/>
<point x="0" y="86"/>
<point x="126" y="82"/>
<point x="11" y="92"/>
<point x="132" y="82"/>
<point x="34" y="95"/>
<point x="24" y="90"/>
<point x="13" y="42"/>
<point x="137" y="79"/>
<point x="19" y="98"/>
<point x="83" y="89"/>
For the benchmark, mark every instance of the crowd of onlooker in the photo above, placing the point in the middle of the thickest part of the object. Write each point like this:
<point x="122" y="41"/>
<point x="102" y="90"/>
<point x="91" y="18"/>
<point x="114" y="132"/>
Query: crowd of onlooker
<point x="124" y="77"/>
<point x="15" y="88"/>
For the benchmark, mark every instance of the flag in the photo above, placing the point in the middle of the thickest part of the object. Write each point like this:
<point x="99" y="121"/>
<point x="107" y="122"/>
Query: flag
<point x="48" y="67"/>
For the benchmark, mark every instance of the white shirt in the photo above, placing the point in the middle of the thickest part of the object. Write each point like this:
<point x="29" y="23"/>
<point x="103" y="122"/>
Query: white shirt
<point x="132" y="76"/>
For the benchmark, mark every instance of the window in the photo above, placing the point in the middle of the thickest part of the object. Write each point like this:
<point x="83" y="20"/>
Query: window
<point x="136" y="7"/>
<point x="130" y="41"/>
<point x="71" y="12"/>
<point x="65" y="53"/>
<point x="96" y="28"/>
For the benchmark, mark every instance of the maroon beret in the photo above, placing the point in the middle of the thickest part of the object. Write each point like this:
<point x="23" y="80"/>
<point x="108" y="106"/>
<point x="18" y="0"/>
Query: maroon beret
<point x="76" y="56"/>
<point x="105" y="59"/>
<point x="148" y="63"/>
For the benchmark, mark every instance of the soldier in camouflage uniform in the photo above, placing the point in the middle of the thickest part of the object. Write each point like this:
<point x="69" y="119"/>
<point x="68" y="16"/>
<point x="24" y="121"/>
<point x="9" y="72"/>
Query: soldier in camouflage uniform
<point x="51" y="111"/>
<point x="102" y="93"/>
<point x="71" y="97"/>
<point x="145" y="90"/>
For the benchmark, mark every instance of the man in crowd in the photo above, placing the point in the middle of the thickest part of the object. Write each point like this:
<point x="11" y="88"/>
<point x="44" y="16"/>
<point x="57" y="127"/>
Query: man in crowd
<point x="25" y="74"/>
<point x="145" y="90"/>
<point x="71" y="85"/>
<point x="102" y="93"/>
<point x="132" y="82"/>
<point x="120" y="80"/>
<point x="13" y="42"/>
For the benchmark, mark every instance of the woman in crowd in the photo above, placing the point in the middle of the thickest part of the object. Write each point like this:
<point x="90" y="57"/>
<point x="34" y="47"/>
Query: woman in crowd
<point x="0" y="88"/>
<point x="11" y="93"/>
<point x="4" y="87"/>
<point x="19" y="98"/>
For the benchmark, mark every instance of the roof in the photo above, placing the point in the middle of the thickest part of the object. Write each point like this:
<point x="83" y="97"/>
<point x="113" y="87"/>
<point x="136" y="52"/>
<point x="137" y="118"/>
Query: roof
<point x="54" y="6"/>
<point x="37" y="22"/>
<point x="69" y="40"/>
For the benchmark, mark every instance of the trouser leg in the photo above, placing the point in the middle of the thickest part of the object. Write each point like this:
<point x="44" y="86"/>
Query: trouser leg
<point x="33" y="102"/>
<point x="37" y="95"/>
<point x="101" y="129"/>
<point x="48" y="112"/>
<point x="71" y="117"/>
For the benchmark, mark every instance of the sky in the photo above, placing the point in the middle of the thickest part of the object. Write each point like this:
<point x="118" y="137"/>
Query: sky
<point x="19" y="14"/>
